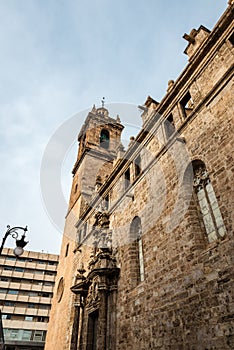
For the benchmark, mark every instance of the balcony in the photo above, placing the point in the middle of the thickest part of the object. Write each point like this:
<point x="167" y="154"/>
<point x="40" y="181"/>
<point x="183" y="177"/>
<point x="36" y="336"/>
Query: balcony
<point x="19" y="310"/>
<point x="17" y="324"/>
<point x="7" y="309"/>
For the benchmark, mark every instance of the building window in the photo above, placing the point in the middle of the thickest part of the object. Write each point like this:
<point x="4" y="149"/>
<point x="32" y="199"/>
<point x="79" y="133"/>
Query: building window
<point x="10" y="258"/>
<point x="8" y="268"/>
<point x="42" y="319"/>
<point x="19" y="258"/>
<point x="38" y="335"/>
<point x="231" y="39"/>
<point x="9" y="303"/>
<point x="6" y="316"/>
<point x="3" y="290"/>
<point x="60" y="289"/>
<point x="137" y="250"/>
<point x="67" y="249"/>
<point x="186" y="105"/>
<point x="49" y="273"/>
<point x="137" y="166"/>
<point x="19" y="269"/>
<point x="105" y="203"/>
<point x="47" y="283"/>
<point x="4" y="279"/>
<point x="208" y="203"/>
<point x="45" y="295"/>
<point x="14" y="333"/>
<point x="28" y="318"/>
<point x="169" y="126"/>
<point x="26" y="335"/>
<point x="105" y="139"/>
<point x="127" y="179"/>
<point x="41" y="262"/>
<point x="44" y="307"/>
<point x="13" y="291"/>
<point x="31" y="305"/>
<point x="17" y="280"/>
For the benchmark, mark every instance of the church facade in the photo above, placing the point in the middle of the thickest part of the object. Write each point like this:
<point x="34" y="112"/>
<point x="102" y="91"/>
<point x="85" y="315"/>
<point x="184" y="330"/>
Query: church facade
<point x="147" y="254"/>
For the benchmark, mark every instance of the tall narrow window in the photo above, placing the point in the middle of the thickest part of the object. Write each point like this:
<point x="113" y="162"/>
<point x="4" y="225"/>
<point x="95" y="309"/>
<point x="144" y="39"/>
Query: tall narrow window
<point x="137" y="166"/>
<point x="186" y="105"/>
<point x="127" y="179"/>
<point x="105" y="139"/>
<point x="137" y="252"/>
<point x="208" y="203"/>
<point x="169" y="126"/>
<point x="231" y="39"/>
<point x="67" y="249"/>
<point x="105" y="203"/>
<point x="141" y="259"/>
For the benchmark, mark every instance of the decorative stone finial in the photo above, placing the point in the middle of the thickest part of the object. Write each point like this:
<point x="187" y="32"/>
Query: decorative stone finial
<point x="80" y="274"/>
<point x="81" y="269"/>
<point x="98" y="182"/>
<point x="118" y="119"/>
<point x="170" y="85"/>
<point x="190" y="37"/>
<point x="150" y="101"/>
<point x="132" y="139"/>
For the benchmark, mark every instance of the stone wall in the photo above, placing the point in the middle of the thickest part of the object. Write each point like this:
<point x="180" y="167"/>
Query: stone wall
<point x="184" y="296"/>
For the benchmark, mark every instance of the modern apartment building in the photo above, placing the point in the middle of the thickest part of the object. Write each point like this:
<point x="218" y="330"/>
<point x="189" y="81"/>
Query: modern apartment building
<point x="26" y="290"/>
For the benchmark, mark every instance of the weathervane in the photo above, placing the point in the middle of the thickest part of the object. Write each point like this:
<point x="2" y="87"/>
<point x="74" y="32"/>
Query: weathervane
<point x="103" y="102"/>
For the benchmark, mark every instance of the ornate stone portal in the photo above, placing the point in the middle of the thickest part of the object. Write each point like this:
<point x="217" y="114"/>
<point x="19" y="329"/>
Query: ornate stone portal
<point x="94" y="322"/>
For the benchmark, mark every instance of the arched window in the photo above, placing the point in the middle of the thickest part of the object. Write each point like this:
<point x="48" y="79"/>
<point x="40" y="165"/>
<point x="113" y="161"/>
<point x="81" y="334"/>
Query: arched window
<point x="138" y="255"/>
<point x="207" y="202"/>
<point x="105" y="139"/>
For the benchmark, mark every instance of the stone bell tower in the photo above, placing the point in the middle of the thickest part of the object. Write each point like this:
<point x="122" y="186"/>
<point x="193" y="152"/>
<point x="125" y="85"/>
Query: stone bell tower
<point x="99" y="140"/>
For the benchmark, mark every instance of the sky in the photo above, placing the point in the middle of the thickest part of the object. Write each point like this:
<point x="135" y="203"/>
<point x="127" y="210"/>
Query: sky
<point x="58" y="58"/>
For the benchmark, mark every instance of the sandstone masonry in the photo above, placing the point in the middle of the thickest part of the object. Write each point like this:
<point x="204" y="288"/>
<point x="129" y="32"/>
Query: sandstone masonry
<point x="147" y="255"/>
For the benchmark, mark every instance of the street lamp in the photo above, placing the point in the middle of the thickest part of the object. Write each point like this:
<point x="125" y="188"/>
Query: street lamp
<point x="20" y="243"/>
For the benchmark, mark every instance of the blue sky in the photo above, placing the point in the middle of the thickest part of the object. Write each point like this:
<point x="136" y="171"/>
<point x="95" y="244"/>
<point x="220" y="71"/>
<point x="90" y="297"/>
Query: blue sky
<point x="59" y="58"/>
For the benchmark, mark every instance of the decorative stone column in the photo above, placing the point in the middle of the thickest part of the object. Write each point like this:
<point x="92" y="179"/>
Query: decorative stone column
<point x="78" y="311"/>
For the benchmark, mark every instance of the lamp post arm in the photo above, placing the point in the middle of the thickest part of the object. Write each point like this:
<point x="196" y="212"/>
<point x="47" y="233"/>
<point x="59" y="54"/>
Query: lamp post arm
<point x="3" y="241"/>
<point x="13" y="232"/>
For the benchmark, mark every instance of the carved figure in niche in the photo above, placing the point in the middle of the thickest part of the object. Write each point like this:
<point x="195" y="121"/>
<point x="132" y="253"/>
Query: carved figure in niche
<point x="102" y="219"/>
<point x="93" y="293"/>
